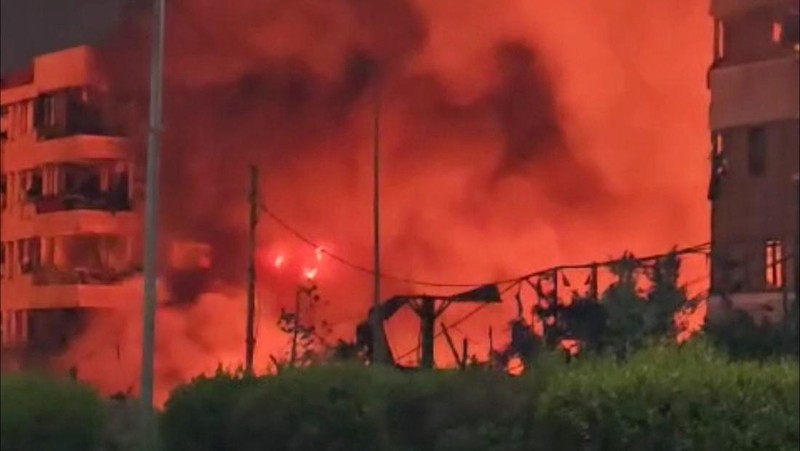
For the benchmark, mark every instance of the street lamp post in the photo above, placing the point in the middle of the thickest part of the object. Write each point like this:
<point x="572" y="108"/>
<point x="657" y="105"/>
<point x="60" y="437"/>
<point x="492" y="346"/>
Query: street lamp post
<point x="146" y="419"/>
<point x="378" y="352"/>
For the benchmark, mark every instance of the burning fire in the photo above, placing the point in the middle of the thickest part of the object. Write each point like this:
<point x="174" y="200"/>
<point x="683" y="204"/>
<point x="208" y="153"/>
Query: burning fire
<point x="533" y="135"/>
<point x="310" y="273"/>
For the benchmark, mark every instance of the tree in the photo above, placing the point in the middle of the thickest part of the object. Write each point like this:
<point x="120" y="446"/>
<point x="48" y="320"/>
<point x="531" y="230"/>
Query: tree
<point x="306" y="344"/>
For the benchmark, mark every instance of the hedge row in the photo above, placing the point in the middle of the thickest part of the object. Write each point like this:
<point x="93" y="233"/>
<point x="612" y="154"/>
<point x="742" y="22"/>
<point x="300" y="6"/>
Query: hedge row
<point x="42" y="414"/>
<point x="662" y="399"/>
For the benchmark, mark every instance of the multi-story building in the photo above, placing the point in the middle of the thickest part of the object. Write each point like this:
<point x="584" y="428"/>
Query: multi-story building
<point x="754" y="120"/>
<point x="69" y="226"/>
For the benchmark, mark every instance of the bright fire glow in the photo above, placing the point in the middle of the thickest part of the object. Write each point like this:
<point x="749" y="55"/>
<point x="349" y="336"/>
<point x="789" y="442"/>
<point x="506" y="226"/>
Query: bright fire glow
<point x="310" y="273"/>
<point x="485" y="185"/>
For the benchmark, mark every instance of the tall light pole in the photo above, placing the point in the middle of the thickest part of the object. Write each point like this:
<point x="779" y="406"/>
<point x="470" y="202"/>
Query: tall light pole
<point x="148" y="438"/>
<point x="378" y="352"/>
<point x="250" y="340"/>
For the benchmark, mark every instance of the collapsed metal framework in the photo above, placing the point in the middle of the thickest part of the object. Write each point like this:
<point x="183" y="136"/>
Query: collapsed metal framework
<point x="428" y="308"/>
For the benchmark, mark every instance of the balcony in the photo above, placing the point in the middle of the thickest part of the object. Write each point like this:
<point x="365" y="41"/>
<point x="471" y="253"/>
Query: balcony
<point x="65" y="289"/>
<point x="726" y="8"/>
<point x="108" y="202"/>
<point x="81" y="276"/>
<point x="69" y="222"/>
<point x="754" y="93"/>
<point x="64" y="150"/>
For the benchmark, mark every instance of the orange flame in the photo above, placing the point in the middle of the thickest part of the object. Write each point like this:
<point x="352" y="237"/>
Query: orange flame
<point x="310" y="273"/>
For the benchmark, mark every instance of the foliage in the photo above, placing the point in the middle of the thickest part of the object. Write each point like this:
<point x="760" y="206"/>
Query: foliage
<point x="43" y="414"/>
<point x="670" y="399"/>
<point x="742" y="338"/>
<point x="469" y="410"/>
<point x="317" y="408"/>
<point x="306" y="344"/>
<point x="195" y="415"/>
<point x="661" y="398"/>
<point x="625" y="317"/>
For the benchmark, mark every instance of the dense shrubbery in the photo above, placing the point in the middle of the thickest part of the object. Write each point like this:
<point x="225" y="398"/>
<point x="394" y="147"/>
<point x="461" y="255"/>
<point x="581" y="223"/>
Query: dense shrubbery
<point x="42" y="414"/>
<point x="196" y="413"/>
<point x="669" y="400"/>
<point x="662" y="398"/>
<point x="620" y="393"/>
<point x="741" y="338"/>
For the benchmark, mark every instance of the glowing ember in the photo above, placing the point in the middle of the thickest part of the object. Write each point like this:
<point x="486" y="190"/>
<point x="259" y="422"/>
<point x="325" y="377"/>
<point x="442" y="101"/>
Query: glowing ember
<point x="310" y="273"/>
<point x="318" y="252"/>
<point x="279" y="261"/>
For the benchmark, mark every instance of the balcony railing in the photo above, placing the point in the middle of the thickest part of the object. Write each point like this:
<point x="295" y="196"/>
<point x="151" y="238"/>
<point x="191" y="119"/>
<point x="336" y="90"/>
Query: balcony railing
<point x="82" y="276"/>
<point x="107" y="201"/>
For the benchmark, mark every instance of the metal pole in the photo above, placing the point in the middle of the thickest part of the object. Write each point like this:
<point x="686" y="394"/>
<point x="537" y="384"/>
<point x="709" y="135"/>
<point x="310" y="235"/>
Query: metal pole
<point x="250" y="341"/>
<point x="378" y="353"/>
<point x="147" y="423"/>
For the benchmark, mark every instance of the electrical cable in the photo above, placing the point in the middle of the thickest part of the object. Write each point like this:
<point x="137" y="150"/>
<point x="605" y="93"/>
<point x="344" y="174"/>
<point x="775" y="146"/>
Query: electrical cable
<point x="471" y="313"/>
<point x="696" y="249"/>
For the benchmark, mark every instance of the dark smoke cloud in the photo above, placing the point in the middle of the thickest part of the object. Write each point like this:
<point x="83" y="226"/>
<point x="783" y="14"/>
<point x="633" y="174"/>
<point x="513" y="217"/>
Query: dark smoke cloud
<point x="32" y="27"/>
<point x="515" y="134"/>
<point x="281" y="108"/>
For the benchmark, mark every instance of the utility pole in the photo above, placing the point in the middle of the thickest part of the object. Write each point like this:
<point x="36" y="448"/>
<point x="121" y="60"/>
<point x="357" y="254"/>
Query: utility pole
<point x="378" y="352"/>
<point x="250" y="341"/>
<point x="149" y="435"/>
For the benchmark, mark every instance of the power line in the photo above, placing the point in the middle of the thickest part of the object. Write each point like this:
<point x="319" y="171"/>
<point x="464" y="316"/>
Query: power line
<point x="480" y="307"/>
<point x="697" y="249"/>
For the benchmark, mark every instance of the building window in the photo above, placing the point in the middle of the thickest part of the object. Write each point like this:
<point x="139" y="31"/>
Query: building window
<point x="3" y="192"/>
<point x="774" y="264"/>
<point x="787" y="32"/>
<point x="3" y="260"/>
<point x="756" y="151"/>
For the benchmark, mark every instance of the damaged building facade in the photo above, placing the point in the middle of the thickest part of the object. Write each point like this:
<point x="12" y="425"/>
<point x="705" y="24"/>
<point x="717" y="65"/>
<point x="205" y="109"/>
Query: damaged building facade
<point x="70" y="220"/>
<point x="754" y="119"/>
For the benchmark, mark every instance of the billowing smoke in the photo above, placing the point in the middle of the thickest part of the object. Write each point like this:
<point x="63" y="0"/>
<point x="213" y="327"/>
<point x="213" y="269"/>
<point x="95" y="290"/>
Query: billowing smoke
<point x="514" y="135"/>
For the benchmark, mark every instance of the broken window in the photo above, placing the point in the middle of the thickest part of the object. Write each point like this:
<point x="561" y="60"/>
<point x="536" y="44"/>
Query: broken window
<point x="756" y="151"/>
<point x="774" y="264"/>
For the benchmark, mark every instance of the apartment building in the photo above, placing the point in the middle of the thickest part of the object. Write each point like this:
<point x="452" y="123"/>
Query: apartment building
<point x="754" y="120"/>
<point x="70" y="223"/>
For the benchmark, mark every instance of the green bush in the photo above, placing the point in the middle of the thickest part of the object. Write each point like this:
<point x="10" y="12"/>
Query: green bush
<point x="335" y="408"/>
<point x="449" y="411"/>
<point x="741" y="338"/>
<point x="668" y="399"/>
<point x="42" y="414"/>
<point x="662" y="398"/>
<point x="196" y="415"/>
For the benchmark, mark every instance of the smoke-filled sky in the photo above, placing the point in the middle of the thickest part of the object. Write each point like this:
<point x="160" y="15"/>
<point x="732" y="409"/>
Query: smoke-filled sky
<point x="516" y="134"/>
<point x="32" y="27"/>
